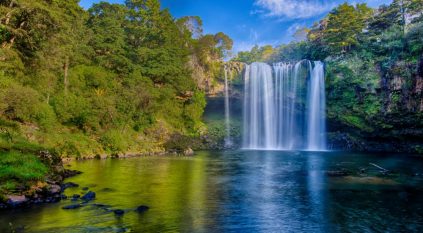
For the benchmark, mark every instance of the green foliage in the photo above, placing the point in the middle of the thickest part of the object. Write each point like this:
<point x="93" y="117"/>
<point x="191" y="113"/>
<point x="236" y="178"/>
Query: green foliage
<point x="357" y="122"/>
<point x="179" y="143"/>
<point x="344" y="24"/>
<point x="257" y="54"/>
<point x="102" y="81"/>
<point x="21" y="167"/>
<point x="114" y="141"/>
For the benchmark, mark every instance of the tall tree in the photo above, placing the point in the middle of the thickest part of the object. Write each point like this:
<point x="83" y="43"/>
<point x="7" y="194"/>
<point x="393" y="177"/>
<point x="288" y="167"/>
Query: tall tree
<point x="344" y="24"/>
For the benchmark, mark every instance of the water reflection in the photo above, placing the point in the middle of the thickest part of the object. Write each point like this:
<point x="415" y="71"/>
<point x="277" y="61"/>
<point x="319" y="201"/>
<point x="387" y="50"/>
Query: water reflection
<point x="238" y="191"/>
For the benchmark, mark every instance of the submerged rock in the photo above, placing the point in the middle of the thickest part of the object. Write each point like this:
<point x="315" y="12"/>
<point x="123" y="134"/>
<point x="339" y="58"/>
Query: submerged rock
<point x="119" y="212"/>
<point x="72" y="207"/>
<point x="142" y="208"/>
<point x="85" y="188"/>
<point x="101" y="205"/>
<point x="69" y="185"/>
<point x="69" y="173"/>
<point x="107" y="190"/>
<point x="88" y="196"/>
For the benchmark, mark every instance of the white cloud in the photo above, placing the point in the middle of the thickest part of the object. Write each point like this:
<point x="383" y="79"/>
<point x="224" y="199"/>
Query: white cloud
<point x="293" y="9"/>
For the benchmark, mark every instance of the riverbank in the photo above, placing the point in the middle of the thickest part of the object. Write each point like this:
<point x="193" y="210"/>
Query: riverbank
<point x="31" y="178"/>
<point x="36" y="177"/>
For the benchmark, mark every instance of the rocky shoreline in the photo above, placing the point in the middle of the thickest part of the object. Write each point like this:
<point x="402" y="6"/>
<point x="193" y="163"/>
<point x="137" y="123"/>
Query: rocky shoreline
<point x="52" y="190"/>
<point x="49" y="192"/>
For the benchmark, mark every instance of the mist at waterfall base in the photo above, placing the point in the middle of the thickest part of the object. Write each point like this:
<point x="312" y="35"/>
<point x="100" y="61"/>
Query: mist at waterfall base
<point x="284" y="106"/>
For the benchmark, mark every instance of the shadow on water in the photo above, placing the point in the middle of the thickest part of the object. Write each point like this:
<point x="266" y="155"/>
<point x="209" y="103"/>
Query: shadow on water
<point x="239" y="191"/>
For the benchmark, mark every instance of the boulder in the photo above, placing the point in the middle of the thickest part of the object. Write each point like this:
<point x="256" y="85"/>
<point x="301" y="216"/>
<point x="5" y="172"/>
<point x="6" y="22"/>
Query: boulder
<point x="55" y="189"/>
<point x="14" y="200"/>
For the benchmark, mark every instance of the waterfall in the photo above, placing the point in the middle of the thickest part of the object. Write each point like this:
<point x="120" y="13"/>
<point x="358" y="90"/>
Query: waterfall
<point x="317" y="109"/>
<point x="259" y="111"/>
<point x="284" y="106"/>
<point x="228" y="141"/>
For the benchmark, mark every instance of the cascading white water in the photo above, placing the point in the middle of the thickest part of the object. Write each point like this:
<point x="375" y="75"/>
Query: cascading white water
<point x="228" y="141"/>
<point x="259" y="111"/>
<point x="277" y="101"/>
<point x="317" y="109"/>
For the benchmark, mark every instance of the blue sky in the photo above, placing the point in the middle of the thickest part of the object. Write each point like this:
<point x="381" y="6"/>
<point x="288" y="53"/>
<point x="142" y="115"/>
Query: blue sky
<point x="250" y="22"/>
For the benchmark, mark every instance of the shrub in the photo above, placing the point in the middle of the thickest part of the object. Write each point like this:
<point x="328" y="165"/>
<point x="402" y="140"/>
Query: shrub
<point x="20" y="103"/>
<point x="114" y="141"/>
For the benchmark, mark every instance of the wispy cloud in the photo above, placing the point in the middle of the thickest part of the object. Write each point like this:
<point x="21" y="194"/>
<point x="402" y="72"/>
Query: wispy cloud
<point x="293" y="9"/>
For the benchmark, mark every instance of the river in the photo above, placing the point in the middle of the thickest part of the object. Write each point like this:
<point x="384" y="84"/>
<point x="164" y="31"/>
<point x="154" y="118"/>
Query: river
<point x="239" y="191"/>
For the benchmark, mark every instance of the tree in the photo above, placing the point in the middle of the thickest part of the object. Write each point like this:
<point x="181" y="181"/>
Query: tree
<point x="344" y="24"/>
<point x="107" y="22"/>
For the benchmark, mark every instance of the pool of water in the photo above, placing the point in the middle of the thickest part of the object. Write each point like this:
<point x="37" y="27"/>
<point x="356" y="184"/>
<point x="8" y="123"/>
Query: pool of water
<point x="239" y="191"/>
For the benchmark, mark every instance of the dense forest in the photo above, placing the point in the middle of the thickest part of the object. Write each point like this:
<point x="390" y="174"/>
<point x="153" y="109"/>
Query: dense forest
<point x="117" y="78"/>
<point x="374" y="73"/>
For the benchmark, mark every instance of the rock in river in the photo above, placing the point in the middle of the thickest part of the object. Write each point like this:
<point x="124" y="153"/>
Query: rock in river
<point x="72" y="207"/>
<point x="119" y="212"/>
<point x="15" y="201"/>
<point x="142" y="208"/>
<point x="54" y="189"/>
<point x="69" y="185"/>
<point x="88" y="196"/>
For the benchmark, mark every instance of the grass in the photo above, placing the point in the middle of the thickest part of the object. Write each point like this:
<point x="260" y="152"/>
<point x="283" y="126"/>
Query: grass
<point x="15" y="166"/>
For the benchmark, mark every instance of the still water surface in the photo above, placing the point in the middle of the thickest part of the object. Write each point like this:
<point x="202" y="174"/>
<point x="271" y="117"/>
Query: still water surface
<point x="239" y="191"/>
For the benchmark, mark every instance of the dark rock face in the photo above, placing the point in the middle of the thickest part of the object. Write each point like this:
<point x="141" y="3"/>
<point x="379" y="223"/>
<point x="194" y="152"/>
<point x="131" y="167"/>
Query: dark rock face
<point x="142" y="209"/>
<point x="72" y="207"/>
<point x="88" y="196"/>
<point x="379" y="113"/>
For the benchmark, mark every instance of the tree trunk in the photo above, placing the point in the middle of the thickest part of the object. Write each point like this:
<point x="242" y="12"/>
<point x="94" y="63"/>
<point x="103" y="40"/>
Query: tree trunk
<point x="65" y="74"/>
